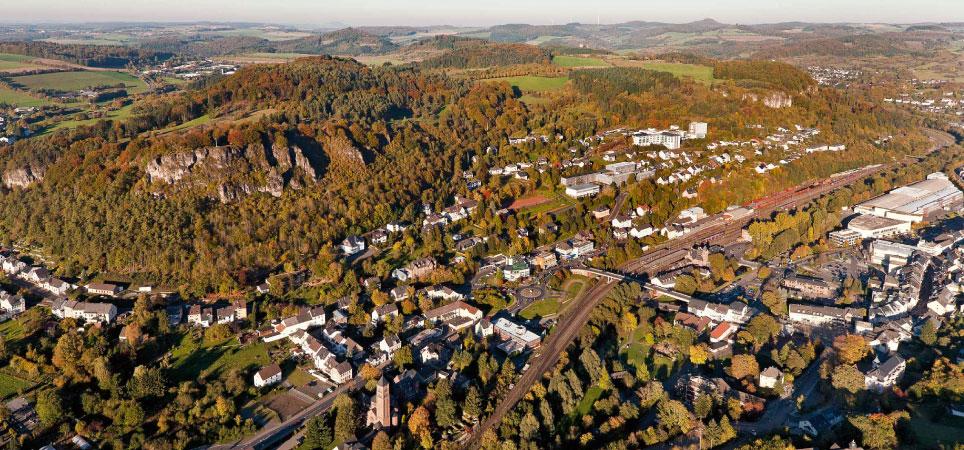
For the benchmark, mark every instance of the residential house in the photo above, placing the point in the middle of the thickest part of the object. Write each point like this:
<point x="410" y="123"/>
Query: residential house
<point x="12" y="304"/>
<point x="457" y="315"/>
<point x="353" y="245"/>
<point x="105" y="289"/>
<point x="886" y="374"/>
<point x="380" y="313"/>
<point x="90" y="312"/>
<point x="267" y="376"/>
<point x="771" y="377"/>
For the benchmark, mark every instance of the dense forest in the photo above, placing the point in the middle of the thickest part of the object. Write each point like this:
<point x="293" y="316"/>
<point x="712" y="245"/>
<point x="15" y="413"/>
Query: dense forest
<point x="105" y="56"/>
<point x="473" y="53"/>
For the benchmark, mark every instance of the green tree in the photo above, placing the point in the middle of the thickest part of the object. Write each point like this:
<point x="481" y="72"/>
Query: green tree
<point x="50" y="408"/>
<point x="346" y="418"/>
<point x="848" y="378"/>
<point x="851" y="348"/>
<point x="472" y="406"/>
<point x="318" y="434"/>
<point x="877" y="430"/>
<point x="444" y="404"/>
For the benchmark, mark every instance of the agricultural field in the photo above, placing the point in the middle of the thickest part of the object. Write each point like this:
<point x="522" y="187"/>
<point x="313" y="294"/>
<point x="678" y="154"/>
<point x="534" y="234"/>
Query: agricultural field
<point x="191" y="358"/>
<point x="117" y="114"/>
<point x="534" y="83"/>
<point x="703" y="74"/>
<point x="578" y="61"/>
<point x="11" y="62"/>
<point x="17" y="98"/>
<point x="73" y="81"/>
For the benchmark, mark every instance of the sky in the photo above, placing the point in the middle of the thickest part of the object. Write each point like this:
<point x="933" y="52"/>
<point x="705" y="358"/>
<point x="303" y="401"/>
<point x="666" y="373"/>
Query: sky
<point x="479" y="12"/>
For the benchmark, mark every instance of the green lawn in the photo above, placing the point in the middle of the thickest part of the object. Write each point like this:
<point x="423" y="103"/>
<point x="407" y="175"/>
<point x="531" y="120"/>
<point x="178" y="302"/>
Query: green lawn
<point x="934" y="427"/>
<point x="703" y="74"/>
<point x="540" y="308"/>
<point x="578" y="61"/>
<point x="11" y="330"/>
<point x="73" y="81"/>
<point x="17" y="98"/>
<point x="191" y="123"/>
<point x="534" y="83"/>
<point x="11" y="385"/>
<point x="592" y="394"/>
<point x="191" y="360"/>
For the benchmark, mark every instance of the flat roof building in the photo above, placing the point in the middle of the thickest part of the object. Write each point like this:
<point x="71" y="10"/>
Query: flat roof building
<point x="912" y="202"/>
<point x="582" y="190"/>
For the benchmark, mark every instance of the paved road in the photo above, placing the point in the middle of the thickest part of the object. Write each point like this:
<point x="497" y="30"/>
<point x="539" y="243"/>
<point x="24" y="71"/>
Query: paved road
<point x="545" y="357"/>
<point x="777" y="411"/>
<point x="272" y="433"/>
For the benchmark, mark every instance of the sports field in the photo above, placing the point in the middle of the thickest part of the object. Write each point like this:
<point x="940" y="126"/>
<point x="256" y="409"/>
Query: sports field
<point x="73" y="81"/>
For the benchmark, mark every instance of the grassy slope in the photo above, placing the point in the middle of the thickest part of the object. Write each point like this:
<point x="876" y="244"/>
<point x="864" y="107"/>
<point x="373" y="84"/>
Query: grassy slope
<point x="189" y="359"/>
<point x="18" y="98"/>
<point x="534" y="83"/>
<point x="703" y="74"/>
<point x="578" y="61"/>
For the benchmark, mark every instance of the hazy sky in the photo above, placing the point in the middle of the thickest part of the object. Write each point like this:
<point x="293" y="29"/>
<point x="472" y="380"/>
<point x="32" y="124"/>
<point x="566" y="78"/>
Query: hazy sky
<point x="480" y="12"/>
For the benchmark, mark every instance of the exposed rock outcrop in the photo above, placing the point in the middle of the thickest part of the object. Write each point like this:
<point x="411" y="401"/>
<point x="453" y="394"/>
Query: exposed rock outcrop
<point x="22" y="177"/>
<point x="228" y="173"/>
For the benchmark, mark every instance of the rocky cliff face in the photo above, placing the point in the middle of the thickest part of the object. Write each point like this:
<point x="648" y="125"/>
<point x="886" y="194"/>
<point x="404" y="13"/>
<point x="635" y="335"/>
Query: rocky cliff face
<point x="774" y="100"/>
<point x="229" y="173"/>
<point x="22" y="177"/>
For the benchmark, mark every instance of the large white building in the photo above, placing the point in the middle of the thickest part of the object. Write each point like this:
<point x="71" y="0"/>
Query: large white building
<point x="90" y="312"/>
<point x="876" y="227"/>
<point x="670" y="139"/>
<point x="913" y="202"/>
<point x="891" y="254"/>
<point x="582" y="190"/>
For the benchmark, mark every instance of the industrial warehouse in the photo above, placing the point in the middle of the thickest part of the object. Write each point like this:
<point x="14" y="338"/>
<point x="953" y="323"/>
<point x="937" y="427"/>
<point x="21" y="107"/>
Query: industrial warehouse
<point x="913" y="202"/>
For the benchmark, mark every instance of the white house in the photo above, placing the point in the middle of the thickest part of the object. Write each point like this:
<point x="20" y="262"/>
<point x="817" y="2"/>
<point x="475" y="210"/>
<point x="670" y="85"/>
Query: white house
<point x="267" y="376"/>
<point x="771" y="377"/>
<point x="353" y="245"/>
<point x="886" y="374"/>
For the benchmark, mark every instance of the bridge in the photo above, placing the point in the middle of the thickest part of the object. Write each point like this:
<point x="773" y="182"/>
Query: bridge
<point x="613" y="276"/>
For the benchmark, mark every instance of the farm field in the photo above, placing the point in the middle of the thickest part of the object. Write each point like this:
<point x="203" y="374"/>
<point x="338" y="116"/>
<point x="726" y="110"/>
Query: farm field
<point x="9" y="61"/>
<point x="578" y="61"/>
<point x="17" y="98"/>
<point x="117" y="114"/>
<point x="191" y="358"/>
<point x="72" y="81"/>
<point x="534" y="83"/>
<point x="703" y="74"/>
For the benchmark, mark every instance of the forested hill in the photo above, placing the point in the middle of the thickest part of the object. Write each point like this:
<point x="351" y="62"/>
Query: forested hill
<point x="348" y="41"/>
<point x="269" y="166"/>
<point x="462" y="53"/>
<point x="104" y="56"/>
